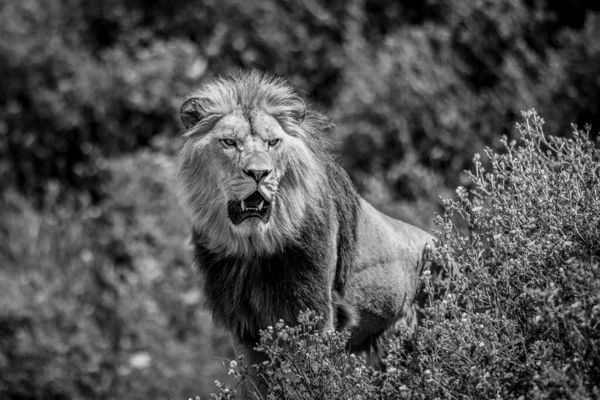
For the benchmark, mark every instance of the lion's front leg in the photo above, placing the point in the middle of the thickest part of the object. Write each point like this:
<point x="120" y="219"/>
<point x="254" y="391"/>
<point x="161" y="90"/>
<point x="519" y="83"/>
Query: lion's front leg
<point x="252" y="388"/>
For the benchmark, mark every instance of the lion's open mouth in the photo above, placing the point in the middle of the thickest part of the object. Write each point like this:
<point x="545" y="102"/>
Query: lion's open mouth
<point x="253" y="206"/>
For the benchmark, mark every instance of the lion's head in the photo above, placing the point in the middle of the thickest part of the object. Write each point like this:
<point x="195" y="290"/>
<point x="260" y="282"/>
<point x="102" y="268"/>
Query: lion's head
<point x="252" y="166"/>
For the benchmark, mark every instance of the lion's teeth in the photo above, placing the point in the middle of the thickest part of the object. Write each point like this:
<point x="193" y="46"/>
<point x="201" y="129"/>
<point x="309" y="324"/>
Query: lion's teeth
<point x="243" y="206"/>
<point x="260" y="205"/>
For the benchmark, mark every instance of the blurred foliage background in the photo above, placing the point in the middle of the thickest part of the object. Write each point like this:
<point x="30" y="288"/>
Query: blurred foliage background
<point x="97" y="299"/>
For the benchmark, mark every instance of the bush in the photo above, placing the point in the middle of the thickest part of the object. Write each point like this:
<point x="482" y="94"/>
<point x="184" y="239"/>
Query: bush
<point x="524" y="319"/>
<point x="303" y="364"/>
<point x="530" y="262"/>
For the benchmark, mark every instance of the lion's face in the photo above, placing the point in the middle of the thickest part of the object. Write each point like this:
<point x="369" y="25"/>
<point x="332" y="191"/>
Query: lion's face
<point x="250" y="157"/>
<point x="247" y="183"/>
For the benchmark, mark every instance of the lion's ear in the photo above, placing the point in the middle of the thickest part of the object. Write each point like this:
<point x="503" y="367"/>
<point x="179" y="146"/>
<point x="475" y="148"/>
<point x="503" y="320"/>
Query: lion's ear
<point x="191" y="112"/>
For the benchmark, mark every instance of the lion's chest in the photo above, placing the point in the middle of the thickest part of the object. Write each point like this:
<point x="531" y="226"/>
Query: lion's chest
<point x="245" y="296"/>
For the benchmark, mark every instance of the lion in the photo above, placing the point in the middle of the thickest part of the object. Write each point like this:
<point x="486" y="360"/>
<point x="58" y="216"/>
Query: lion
<point x="277" y="225"/>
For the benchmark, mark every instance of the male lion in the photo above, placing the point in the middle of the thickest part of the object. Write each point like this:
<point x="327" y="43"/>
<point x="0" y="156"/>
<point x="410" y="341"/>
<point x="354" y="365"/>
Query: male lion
<point x="277" y="225"/>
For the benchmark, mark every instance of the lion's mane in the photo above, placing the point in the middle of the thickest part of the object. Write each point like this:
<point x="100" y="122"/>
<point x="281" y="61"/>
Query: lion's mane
<point x="252" y="282"/>
<point x="307" y="172"/>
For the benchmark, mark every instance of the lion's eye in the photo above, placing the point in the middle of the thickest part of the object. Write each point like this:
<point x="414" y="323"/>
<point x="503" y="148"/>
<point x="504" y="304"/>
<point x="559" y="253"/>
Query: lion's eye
<point x="274" y="142"/>
<point x="228" y="142"/>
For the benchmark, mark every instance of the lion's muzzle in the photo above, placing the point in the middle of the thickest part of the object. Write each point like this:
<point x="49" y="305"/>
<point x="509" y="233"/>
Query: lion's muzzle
<point x="253" y="206"/>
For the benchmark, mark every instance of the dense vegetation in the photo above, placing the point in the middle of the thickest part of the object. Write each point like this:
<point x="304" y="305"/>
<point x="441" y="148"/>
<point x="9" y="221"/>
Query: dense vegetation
<point x="523" y="320"/>
<point x="97" y="297"/>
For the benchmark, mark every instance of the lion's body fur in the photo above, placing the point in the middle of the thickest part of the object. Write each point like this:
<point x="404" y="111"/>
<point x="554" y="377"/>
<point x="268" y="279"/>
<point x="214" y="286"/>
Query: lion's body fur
<point x="324" y="248"/>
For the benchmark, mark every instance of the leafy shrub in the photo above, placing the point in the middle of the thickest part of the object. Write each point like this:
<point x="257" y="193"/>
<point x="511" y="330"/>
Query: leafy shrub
<point x="524" y="319"/>
<point x="303" y="364"/>
<point x="530" y="260"/>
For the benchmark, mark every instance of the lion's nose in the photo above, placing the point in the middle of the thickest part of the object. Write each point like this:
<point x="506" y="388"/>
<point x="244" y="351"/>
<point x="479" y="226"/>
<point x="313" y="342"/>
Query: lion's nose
<point x="257" y="174"/>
